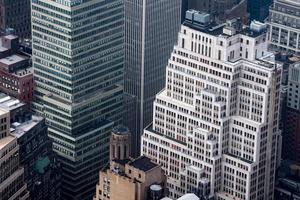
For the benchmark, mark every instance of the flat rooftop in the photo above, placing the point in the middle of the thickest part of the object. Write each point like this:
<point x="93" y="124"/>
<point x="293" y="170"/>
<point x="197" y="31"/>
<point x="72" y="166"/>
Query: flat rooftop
<point x="3" y="111"/>
<point x="292" y="2"/>
<point x="13" y="59"/>
<point x="24" y="72"/>
<point x="203" y="22"/>
<point x="19" y="129"/>
<point x="189" y="196"/>
<point x="121" y="162"/>
<point x="3" y="49"/>
<point x="9" y="103"/>
<point x="143" y="163"/>
<point x="6" y="140"/>
<point x="10" y="37"/>
<point x="212" y="29"/>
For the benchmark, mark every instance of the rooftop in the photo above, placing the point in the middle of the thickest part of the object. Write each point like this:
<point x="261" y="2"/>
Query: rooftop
<point x="24" y="72"/>
<point x="143" y="163"/>
<point x="166" y="198"/>
<point x="3" y="111"/>
<point x="9" y="103"/>
<point x="121" y="130"/>
<point x="203" y="22"/>
<point x="292" y="2"/>
<point x="213" y="29"/>
<point x="41" y="164"/>
<point x="121" y="162"/>
<point x="3" y="49"/>
<point x="10" y="37"/>
<point x="5" y="141"/>
<point x="19" y="129"/>
<point x="189" y="196"/>
<point x="13" y="59"/>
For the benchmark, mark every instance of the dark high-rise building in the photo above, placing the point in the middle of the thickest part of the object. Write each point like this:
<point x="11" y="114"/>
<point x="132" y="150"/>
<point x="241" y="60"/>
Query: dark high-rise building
<point x="41" y="169"/>
<point x="184" y="8"/>
<point x="291" y="119"/>
<point x="16" y="15"/>
<point x="78" y="57"/>
<point x="151" y="29"/>
<point x="259" y="9"/>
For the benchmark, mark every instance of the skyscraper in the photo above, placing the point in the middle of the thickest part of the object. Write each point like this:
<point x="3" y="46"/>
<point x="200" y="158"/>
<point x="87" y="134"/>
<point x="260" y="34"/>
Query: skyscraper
<point x="215" y="125"/>
<point x="151" y="29"/>
<point x="284" y="26"/>
<point x="78" y="56"/>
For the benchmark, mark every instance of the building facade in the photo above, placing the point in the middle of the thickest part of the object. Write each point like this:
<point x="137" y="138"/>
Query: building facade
<point x="284" y="26"/>
<point x="132" y="179"/>
<point x="215" y="125"/>
<point x="120" y="144"/>
<point x="16" y="73"/>
<point x="151" y="29"/>
<point x="259" y="9"/>
<point x="291" y="119"/>
<point x="12" y="185"/>
<point x="127" y="178"/>
<point x="16" y="15"/>
<point x="78" y="56"/>
<point x="42" y="172"/>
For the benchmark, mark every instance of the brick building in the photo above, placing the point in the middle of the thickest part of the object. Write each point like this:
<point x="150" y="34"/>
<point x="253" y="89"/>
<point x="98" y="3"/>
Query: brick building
<point x="16" y="73"/>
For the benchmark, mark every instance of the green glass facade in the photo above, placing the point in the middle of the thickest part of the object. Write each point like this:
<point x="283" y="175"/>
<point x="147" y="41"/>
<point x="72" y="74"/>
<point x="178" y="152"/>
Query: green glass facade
<point x="78" y="55"/>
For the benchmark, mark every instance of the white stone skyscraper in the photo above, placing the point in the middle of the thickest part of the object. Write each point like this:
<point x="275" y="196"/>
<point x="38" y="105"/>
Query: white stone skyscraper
<point x="151" y="28"/>
<point x="215" y="125"/>
<point x="78" y="57"/>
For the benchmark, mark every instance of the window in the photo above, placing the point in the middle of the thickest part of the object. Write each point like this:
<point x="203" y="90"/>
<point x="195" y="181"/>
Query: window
<point x="219" y="54"/>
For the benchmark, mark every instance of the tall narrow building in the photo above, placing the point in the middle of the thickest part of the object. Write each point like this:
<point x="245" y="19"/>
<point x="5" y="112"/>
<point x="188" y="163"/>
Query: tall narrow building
<point x="215" y="125"/>
<point x="78" y="56"/>
<point x="151" y="29"/>
<point x="291" y="118"/>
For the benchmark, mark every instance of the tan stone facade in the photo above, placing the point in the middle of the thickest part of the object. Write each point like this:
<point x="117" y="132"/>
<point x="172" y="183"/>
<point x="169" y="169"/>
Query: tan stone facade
<point x="120" y="144"/>
<point x="126" y="178"/>
<point x="131" y="181"/>
<point x="12" y="184"/>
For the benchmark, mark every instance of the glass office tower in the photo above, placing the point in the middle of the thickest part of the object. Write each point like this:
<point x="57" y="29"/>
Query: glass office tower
<point x="78" y="56"/>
